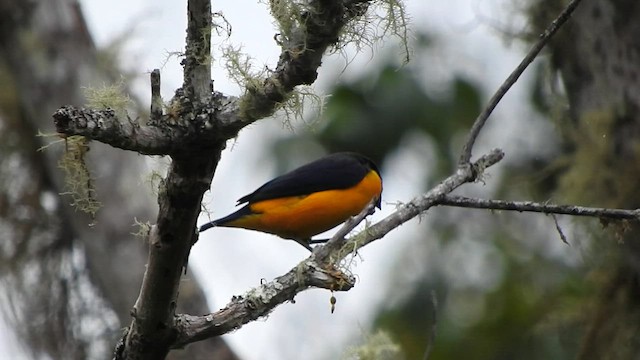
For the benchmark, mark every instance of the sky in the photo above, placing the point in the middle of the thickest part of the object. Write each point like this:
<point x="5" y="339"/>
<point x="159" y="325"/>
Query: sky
<point x="229" y="262"/>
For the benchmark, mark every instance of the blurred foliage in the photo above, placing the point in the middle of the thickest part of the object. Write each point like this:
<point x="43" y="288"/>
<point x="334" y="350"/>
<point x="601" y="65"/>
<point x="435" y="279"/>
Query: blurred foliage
<point x="510" y="321"/>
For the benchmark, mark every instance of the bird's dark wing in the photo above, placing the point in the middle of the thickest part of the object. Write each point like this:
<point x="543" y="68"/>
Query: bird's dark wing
<point x="336" y="171"/>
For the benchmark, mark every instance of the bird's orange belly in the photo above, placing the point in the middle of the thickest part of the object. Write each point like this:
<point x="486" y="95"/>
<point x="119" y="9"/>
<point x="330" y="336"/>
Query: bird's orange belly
<point x="301" y="217"/>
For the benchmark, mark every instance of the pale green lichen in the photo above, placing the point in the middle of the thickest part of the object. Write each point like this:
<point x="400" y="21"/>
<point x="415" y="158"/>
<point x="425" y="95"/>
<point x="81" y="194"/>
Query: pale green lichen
<point x="79" y="184"/>
<point x="377" y="346"/>
<point x="303" y="97"/>
<point x="78" y="181"/>
<point x="144" y="228"/>
<point x="287" y="16"/>
<point x="111" y="96"/>
<point x="57" y="140"/>
<point x="240" y="68"/>
<point x="383" y="19"/>
<point x="155" y="181"/>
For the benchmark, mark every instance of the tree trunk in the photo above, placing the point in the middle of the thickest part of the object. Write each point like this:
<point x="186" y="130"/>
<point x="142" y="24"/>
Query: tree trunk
<point x="70" y="286"/>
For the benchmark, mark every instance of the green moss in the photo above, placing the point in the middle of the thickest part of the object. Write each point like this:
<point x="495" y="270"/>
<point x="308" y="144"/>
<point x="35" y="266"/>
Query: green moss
<point x="78" y="181"/>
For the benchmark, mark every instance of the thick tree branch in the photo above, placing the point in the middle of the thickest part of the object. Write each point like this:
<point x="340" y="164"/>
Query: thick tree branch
<point x="181" y="131"/>
<point x="261" y="301"/>
<point x="198" y="86"/>
<point x="105" y="126"/>
<point x="530" y="206"/>
<point x="556" y="24"/>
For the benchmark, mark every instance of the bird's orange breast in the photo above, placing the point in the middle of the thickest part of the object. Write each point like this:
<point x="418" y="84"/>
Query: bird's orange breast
<point x="301" y="217"/>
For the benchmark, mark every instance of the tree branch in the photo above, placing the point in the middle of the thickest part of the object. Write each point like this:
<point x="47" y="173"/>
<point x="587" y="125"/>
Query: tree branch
<point x="105" y="126"/>
<point x="556" y="24"/>
<point x="530" y="206"/>
<point x="464" y="174"/>
<point x="260" y="301"/>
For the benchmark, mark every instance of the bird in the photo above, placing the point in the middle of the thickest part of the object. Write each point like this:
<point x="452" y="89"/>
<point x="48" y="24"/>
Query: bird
<point x="309" y="200"/>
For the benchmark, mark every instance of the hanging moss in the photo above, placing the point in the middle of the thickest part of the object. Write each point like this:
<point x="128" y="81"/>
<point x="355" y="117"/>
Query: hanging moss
<point x="79" y="184"/>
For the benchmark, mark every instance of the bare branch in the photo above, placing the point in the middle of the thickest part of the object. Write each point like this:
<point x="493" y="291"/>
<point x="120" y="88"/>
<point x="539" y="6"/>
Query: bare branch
<point x="530" y="206"/>
<point x="106" y="127"/>
<point x="464" y="174"/>
<point x="465" y="156"/>
<point x="260" y="301"/>
<point x="198" y="86"/>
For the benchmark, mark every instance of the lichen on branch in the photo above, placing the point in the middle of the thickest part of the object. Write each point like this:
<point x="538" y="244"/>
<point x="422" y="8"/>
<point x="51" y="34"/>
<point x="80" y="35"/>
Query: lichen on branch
<point x="79" y="184"/>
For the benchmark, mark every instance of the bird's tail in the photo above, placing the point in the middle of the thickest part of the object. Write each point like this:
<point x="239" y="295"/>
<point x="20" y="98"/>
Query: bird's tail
<point x="208" y="225"/>
<point x="225" y="221"/>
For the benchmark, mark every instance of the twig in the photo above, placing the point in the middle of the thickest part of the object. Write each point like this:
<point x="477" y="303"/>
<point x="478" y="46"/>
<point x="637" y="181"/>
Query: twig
<point x="338" y="239"/>
<point x="559" y="229"/>
<point x="530" y="206"/>
<point x="420" y="204"/>
<point x="480" y="121"/>
<point x="156" y="99"/>
<point x="434" y="326"/>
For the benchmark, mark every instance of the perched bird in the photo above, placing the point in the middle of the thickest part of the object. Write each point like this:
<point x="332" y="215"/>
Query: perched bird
<point x="310" y="199"/>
